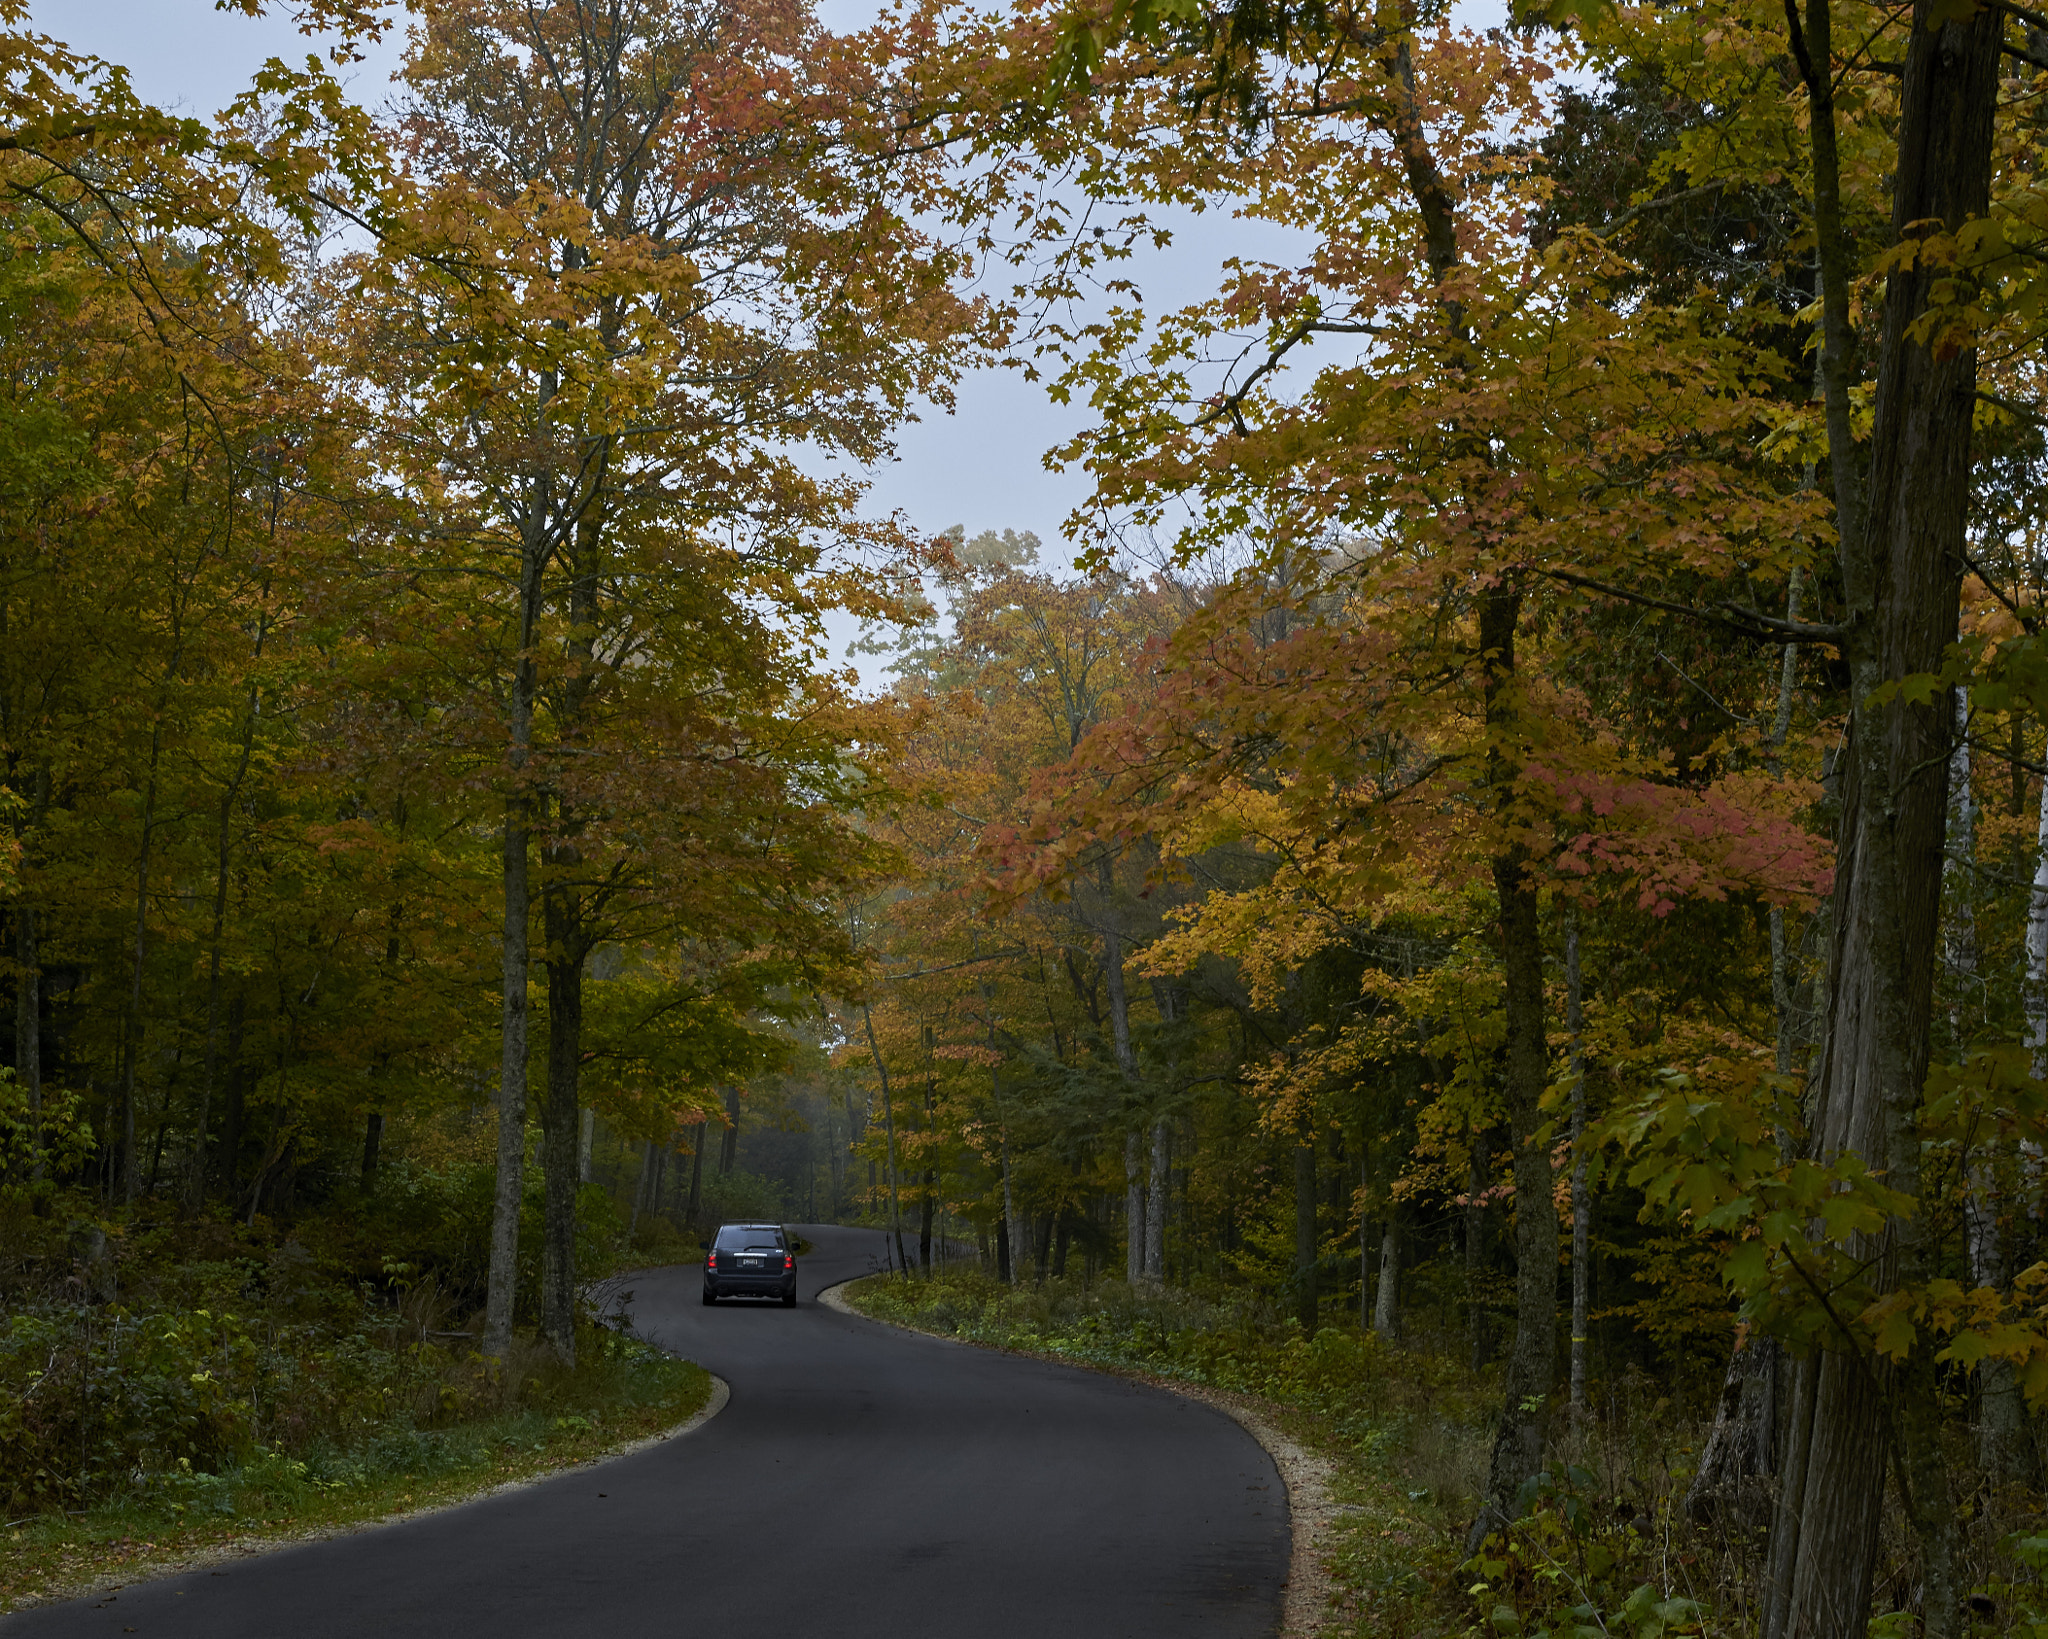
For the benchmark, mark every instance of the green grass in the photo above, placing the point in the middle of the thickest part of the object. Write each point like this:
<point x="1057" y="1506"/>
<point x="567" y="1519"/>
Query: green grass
<point x="620" y="1392"/>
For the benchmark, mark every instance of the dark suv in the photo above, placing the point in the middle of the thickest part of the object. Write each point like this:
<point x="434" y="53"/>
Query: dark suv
<point x="754" y="1260"/>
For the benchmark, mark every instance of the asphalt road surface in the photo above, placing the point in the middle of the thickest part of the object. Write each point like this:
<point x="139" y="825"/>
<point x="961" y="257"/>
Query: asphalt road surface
<point x="862" y="1483"/>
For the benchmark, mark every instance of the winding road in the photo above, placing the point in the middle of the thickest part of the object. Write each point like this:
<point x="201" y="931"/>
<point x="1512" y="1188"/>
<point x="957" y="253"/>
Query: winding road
<point x="862" y="1482"/>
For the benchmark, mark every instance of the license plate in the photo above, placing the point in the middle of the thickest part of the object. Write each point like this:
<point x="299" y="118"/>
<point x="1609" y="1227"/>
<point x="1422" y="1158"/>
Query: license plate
<point x="750" y="1263"/>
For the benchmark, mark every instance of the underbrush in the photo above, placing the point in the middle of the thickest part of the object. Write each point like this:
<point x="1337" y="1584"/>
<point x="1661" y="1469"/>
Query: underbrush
<point x="621" y="1389"/>
<point x="179" y="1380"/>
<point x="1601" y="1545"/>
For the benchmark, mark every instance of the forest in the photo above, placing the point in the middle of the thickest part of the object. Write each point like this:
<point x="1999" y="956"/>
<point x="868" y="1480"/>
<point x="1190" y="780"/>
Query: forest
<point x="1500" y="864"/>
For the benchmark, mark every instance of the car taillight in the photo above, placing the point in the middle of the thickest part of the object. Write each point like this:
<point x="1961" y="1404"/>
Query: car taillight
<point x="789" y="1260"/>
<point x="711" y="1261"/>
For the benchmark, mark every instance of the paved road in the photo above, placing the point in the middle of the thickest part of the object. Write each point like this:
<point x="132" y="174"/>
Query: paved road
<point x="862" y="1483"/>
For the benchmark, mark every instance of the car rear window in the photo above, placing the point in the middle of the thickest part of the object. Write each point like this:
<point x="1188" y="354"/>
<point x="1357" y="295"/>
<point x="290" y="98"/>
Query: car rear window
<point x="734" y="1237"/>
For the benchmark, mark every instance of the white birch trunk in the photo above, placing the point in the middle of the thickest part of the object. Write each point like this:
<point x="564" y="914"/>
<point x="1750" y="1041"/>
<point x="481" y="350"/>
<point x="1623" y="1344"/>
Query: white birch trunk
<point x="1386" y="1318"/>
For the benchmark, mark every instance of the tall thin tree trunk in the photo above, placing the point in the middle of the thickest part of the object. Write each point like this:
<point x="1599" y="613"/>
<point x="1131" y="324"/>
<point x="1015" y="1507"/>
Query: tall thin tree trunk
<point x="641" y="1186"/>
<point x="195" y="1184"/>
<point x="1015" y="1233"/>
<point x="1134" y="1209"/>
<point x="559" y="1116"/>
<point x="889" y="1142"/>
<point x="1135" y="1217"/>
<point x="1364" y="1252"/>
<point x="230" y="1170"/>
<point x="28" y="995"/>
<point x="1307" y="1297"/>
<point x="373" y="1142"/>
<point x="586" y="1136"/>
<point x="28" y="1028"/>
<point x="697" y="1177"/>
<point x="1478" y="1344"/>
<point x="1386" y="1314"/>
<point x="729" y="1140"/>
<point x="1531" y="1376"/>
<point x="1582" y="1199"/>
<point x="131" y="1024"/>
<point x="1155" y="1207"/>
<point x="2005" y="1448"/>
<point x="502" y="1288"/>
<point x="1743" y="1443"/>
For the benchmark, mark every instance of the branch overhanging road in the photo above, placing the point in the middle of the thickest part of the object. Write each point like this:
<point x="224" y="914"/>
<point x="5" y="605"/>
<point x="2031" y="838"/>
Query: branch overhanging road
<point x="862" y="1482"/>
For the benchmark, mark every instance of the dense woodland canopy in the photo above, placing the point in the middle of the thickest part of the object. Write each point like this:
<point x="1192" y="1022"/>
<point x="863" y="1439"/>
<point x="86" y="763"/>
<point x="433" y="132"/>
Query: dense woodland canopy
<point x="1521" y="832"/>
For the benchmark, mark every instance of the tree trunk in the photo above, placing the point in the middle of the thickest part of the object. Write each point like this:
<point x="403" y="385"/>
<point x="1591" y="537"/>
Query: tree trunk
<point x="1532" y="1365"/>
<point x="502" y="1287"/>
<point x="230" y="1170"/>
<point x="131" y="1023"/>
<point x="28" y="1028"/>
<point x="1134" y="1210"/>
<point x="1901" y="577"/>
<point x="195" y="1187"/>
<point x="1478" y="1344"/>
<point x="889" y="1141"/>
<point x="641" y="1187"/>
<point x="373" y="1141"/>
<point x="1386" y="1314"/>
<point x="2005" y="1448"/>
<point x="1582" y="1199"/>
<point x="729" y="1143"/>
<point x="1155" y="1207"/>
<point x="1307" y="1298"/>
<point x="586" y="1135"/>
<point x="1015" y="1230"/>
<point x="1742" y="1445"/>
<point x="559" y="1121"/>
<point x="697" y="1177"/>
<point x="1741" y="1448"/>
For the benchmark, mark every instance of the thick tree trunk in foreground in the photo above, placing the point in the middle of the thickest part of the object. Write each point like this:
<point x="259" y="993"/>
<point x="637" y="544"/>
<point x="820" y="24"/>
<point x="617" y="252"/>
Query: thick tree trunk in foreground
<point x="1901" y="577"/>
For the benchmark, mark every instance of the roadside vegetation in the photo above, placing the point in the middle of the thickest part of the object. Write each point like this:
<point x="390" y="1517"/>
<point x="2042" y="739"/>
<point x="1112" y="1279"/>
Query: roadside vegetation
<point x="180" y="1386"/>
<point x="1602" y="1542"/>
<point x="1494" y="890"/>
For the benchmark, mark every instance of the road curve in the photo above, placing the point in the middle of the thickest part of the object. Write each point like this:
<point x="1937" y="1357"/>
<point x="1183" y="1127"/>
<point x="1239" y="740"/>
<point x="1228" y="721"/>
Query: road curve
<point x="862" y="1483"/>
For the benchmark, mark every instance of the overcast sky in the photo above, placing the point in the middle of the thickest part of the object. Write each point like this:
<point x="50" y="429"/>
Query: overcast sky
<point x="981" y="467"/>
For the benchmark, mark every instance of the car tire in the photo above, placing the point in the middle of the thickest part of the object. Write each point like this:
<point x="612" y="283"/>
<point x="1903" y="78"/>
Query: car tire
<point x="710" y="1297"/>
<point x="789" y="1298"/>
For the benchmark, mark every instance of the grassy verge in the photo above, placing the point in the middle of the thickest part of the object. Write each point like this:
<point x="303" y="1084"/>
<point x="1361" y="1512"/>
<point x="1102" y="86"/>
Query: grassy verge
<point x="1405" y="1431"/>
<point x="622" y="1391"/>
